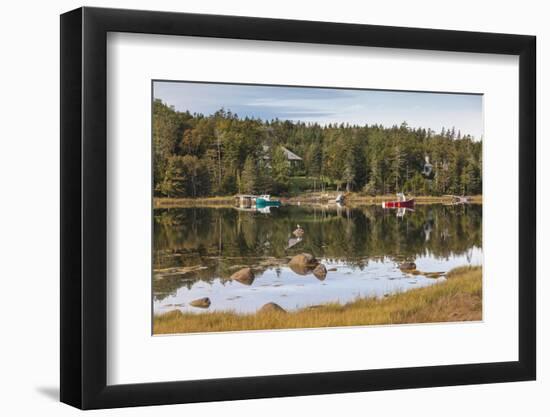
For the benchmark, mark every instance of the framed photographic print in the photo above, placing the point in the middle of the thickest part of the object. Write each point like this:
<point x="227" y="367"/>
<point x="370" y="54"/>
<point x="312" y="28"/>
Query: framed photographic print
<point x="256" y="208"/>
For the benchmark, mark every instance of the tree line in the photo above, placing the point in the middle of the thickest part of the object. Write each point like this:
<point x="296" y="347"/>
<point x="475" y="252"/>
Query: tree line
<point x="221" y="154"/>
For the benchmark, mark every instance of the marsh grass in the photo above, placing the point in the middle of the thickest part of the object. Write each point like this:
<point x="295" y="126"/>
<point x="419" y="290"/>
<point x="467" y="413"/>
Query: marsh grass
<point x="459" y="298"/>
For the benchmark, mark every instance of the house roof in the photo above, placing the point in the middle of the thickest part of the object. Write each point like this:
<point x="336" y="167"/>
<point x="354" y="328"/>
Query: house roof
<point x="291" y="156"/>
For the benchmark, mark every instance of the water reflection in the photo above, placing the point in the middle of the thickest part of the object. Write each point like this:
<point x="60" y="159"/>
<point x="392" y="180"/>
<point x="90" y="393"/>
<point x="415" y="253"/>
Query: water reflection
<point x="196" y="250"/>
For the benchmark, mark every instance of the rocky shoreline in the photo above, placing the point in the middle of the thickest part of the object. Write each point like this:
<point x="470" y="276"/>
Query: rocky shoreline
<point x="458" y="298"/>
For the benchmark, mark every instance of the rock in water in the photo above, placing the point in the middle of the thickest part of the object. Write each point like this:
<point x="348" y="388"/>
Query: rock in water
<point x="244" y="276"/>
<point x="201" y="302"/>
<point x="300" y="269"/>
<point x="433" y="274"/>
<point x="271" y="308"/>
<point x="304" y="259"/>
<point x="407" y="266"/>
<point x="320" y="272"/>
<point x="299" y="232"/>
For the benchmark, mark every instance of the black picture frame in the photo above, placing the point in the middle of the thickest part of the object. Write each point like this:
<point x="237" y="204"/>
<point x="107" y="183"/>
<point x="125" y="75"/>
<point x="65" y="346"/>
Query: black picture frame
<point x="84" y="207"/>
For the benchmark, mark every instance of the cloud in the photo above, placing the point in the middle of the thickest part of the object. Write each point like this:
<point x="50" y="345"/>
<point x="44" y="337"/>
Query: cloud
<point x="327" y="105"/>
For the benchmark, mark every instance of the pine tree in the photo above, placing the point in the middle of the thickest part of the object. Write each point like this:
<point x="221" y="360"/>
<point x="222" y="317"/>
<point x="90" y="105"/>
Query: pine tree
<point x="315" y="161"/>
<point x="264" y="183"/>
<point x="375" y="184"/>
<point x="186" y="176"/>
<point x="396" y="166"/>
<point x="249" y="176"/>
<point x="349" y="170"/>
<point x="416" y="184"/>
<point x="281" y="169"/>
<point x="173" y="181"/>
<point x="165" y="138"/>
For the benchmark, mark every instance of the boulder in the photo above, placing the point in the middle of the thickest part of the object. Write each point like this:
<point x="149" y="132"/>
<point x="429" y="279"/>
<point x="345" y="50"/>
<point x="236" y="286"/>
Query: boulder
<point x="320" y="272"/>
<point x="407" y="266"/>
<point x="300" y="269"/>
<point x="244" y="276"/>
<point x="304" y="259"/>
<point x="271" y="308"/>
<point x="201" y="302"/>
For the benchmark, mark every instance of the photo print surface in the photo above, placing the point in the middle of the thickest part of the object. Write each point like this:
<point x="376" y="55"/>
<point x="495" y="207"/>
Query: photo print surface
<point x="282" y="207"/>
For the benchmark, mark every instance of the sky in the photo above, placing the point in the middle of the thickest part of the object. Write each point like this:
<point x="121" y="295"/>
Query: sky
<point x="328" y="105"/>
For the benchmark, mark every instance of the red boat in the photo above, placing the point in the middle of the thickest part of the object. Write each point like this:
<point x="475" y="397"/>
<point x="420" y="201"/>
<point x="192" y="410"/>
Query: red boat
<point x="400" y="203"/>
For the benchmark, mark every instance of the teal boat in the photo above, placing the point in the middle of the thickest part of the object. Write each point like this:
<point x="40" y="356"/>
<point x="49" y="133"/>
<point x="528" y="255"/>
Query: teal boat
<point x="266" y="201"/>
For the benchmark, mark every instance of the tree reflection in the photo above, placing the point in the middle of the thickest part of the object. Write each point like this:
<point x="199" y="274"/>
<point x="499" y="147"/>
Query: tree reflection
<point x="224" y="239"/>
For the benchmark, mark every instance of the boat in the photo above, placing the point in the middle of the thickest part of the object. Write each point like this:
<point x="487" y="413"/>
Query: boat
<point x="266" y="201"/>
<point x="255" y="201"/>
<point x="401" y="202"/>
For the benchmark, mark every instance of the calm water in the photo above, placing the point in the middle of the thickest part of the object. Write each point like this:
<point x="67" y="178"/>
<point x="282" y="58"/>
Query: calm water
<point x="197" y="249"/>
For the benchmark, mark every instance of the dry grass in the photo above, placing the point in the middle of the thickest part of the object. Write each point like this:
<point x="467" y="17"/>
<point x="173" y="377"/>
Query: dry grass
<point x="166" y="202"/>
<point x="456" y="299"/>
<point x="303" y="198"/>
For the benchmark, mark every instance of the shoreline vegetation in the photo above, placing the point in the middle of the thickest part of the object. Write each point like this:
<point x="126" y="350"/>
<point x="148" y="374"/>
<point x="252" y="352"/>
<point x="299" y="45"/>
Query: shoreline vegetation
<point x="458" y="298"/>
<point x="302" y="199"/>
